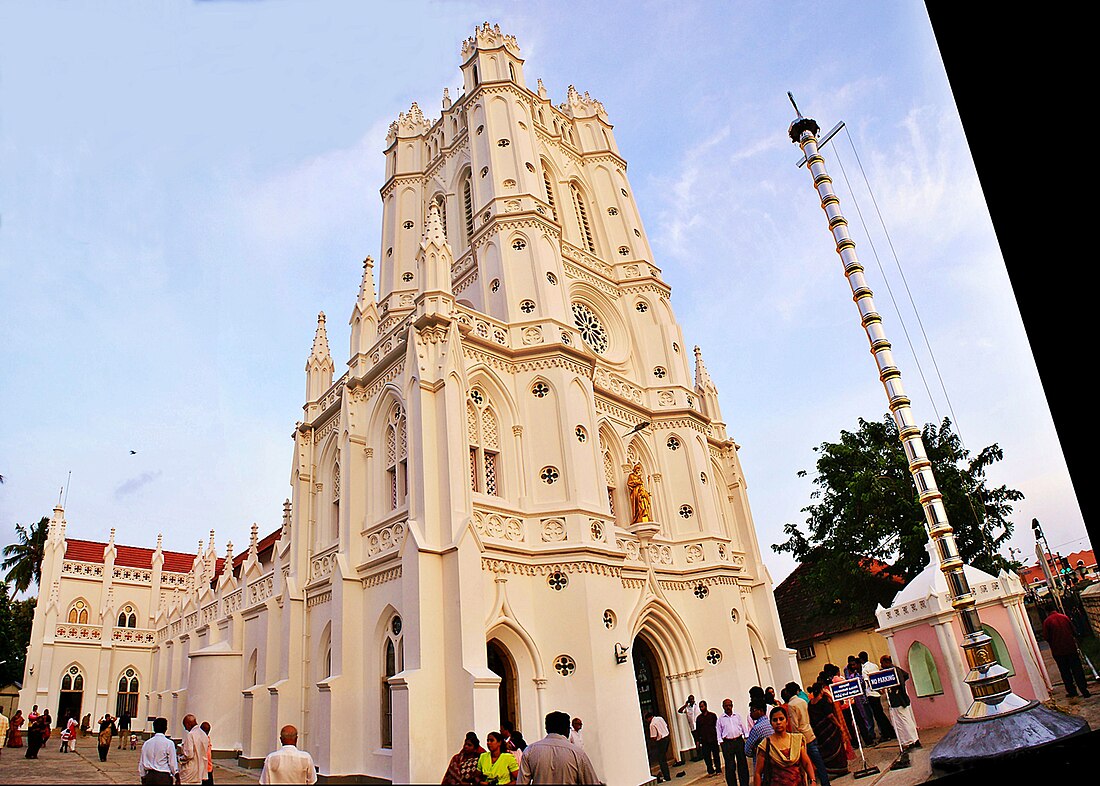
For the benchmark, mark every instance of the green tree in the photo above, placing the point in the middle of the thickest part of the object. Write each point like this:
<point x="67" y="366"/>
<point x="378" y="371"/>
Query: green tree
<point x="23" y="559"/>
<point x="16" y="617"/>
<point x="867" y="504"/>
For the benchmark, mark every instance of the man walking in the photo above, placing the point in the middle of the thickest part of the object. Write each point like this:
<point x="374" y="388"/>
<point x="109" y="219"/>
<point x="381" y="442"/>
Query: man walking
<point x="658" y="742"/>
<point x="691" y="711"/>
<point x="196" y="746"/>
<point x="575" y="733"/>
<point x="900" y="710"/>
<point x="731" y="736"/>
<point x="554" y="759"/>
<point x="288" y="764"/>
<point x="706" y="725"/>
<point x="157" y="764"/>
<point x="124" y="729"/>
<point x="1058" y="631"/>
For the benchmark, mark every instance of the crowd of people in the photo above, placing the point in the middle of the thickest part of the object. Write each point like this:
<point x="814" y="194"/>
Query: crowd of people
<point x="801" y="736"/>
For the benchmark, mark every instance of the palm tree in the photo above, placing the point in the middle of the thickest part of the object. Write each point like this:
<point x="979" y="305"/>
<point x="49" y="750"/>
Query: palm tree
<point x="23" y="560"/>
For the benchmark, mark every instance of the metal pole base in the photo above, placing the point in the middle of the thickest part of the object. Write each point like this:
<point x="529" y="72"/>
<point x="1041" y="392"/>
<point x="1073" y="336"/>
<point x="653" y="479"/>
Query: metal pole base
<point x="872" y="770"/>
<point x="974" y="742"/>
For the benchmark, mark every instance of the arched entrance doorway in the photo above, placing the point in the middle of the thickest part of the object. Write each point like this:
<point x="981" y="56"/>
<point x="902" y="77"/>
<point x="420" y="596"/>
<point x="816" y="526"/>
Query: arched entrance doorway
<point x="651" y="694"/>
<point x="72" y="694"/>
<point x="500" y="663"/>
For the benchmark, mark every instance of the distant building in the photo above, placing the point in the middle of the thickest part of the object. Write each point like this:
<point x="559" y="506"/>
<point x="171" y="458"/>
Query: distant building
<point x="1082" y="562"/>
<point x="820" y="634"/>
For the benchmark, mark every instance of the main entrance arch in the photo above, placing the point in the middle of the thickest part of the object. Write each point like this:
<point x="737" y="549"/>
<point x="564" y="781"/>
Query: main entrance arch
<point x="500" y="663"/>
<point x="649" y="678"/>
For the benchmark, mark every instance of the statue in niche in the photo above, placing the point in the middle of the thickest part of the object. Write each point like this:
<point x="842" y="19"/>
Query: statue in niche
<point x="640" y="510"/>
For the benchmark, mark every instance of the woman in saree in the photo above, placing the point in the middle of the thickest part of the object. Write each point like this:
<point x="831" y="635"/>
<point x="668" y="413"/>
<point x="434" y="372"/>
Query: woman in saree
<point x="462" y="770"/>
<point x="15" y="733"/>
<point x="828" y="730"/>
<point x="782" y="759"/>
<point x="828" y="676"/>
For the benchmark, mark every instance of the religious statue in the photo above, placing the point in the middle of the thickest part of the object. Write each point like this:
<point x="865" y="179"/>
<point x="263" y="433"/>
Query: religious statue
<point x="640" y="510"/>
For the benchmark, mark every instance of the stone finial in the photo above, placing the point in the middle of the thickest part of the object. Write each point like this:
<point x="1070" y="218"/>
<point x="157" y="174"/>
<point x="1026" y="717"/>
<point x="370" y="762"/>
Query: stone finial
<point x="160" y="541"/>
<point x="111" y="539"/>
<point x="486" y="37"/>
<point x="320" y="339"/>
<point x="286" y="516"/>
<point x="446" y="98"/>
<point x="433" y="229"/>
<point x="542" y="88"/>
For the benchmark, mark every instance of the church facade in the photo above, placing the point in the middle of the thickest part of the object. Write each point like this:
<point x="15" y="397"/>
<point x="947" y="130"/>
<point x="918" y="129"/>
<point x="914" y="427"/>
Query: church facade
<point x="460" y="544"/>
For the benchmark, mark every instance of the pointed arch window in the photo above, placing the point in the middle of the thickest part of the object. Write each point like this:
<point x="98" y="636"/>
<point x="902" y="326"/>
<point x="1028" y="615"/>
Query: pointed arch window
<point x="483" y="433"/>
<point x="127" y="617"/>
<point x="547" y="184"/>
<point x="78" y="613"/>
<point x="581" y="209"/>
<point x="468" y="206"/>
<point x="334" y="525"/>
<point x="397" y="457"/>
<point x="127" y="694"/>
<point x="922" y="667"/>
<point x="392" y="657"/>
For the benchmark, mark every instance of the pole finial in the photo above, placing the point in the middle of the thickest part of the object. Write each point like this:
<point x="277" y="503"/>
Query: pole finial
<point x="790" y="96"/>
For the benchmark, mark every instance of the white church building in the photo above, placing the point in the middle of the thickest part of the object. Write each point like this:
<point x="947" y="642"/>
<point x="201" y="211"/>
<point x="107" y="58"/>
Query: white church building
<point x="459" y="545"/>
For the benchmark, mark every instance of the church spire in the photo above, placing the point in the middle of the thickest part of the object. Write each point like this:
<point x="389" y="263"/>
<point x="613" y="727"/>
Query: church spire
<point x="433" y="261"/>
<point x="319" y="367"/>
<point x="364" y="317"/>
<point x="708" y="392"/>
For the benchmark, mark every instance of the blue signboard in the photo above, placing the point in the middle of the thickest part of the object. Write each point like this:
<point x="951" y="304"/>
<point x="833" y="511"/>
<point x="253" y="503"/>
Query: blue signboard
<point x="887" y="678"/>
<point x="847" y="689"/>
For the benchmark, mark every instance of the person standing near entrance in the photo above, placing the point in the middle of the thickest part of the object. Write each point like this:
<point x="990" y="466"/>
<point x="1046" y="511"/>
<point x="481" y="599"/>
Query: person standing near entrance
<point x="706" y="724"/>
<point x="124" y="729"/>
<point x="731" y="736"/>
<point x="691" y="711"/>
<point x="659" y="739"/>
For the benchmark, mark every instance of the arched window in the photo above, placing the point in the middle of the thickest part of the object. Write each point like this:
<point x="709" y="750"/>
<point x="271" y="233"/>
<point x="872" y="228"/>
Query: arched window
<point x="468" y="206"/>
<point x="547" y="184"/>
<point x="78" y="613"/>
<point x="71" y="697"/>
<point x="610" y="475"/>
<point x="483" y="433"/>
<point x="582" y="218"/>
<point x="392" y="656"/>
<point x="1000" y="649"/>
<point x="922" y="668"/>
<point x="397" y="457"/>
<point x="127" y="694"/>
<point x="127" y="617"/>
<point x="512" y="71"/>
<point x="334" y="525"/>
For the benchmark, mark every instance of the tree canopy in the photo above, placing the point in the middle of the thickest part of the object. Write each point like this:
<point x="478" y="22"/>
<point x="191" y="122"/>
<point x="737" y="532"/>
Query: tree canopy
<point x="16" y="617"/>
<point x="23" y="559"/>
<point x="866" y="505"/>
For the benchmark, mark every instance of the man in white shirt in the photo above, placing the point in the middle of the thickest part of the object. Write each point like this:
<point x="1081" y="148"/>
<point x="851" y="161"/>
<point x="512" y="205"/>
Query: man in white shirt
<point x="575" y="733"/>
<point x="691" y="711"/>
<point x="288" y="764"/>
<point x="731" y="738"/>
<point x="554" y="759"/>
<point x="194" y="750"/>
<point x="658" y="741"/>
<point x="157" y="764"/>
<point x="874" y="700"/>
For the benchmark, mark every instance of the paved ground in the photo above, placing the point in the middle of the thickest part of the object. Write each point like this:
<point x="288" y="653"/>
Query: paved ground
<point x="85" y="767"/>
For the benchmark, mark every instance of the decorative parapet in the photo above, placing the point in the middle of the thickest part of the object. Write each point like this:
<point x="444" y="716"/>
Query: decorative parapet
<point x="92" y="570"/>
<point x="174" y="579"/>
<point x="385" y="538"/>
<point x="132" y="575"/>
<point x="613" y="383"/>
<point x="261" y="589"/>
<point x="91" y="634"/>
<point x="234" y="602"/>
<point x="323" y="564"/>
<point x="498" y="526"/>
<point x="411" y="123"/>
<point x="486" y="37"/>
<point x="141" y="637"/>
<point x="481" y="325"/>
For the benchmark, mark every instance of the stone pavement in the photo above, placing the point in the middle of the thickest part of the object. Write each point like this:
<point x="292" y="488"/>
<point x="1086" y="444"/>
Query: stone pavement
<point x="84" y="766"/>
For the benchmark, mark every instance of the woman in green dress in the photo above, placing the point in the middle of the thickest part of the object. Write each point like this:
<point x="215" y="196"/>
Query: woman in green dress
<point x="495" y="767"/>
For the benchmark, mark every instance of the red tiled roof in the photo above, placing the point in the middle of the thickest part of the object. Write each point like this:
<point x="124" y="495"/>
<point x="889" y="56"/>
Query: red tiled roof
<point x="266" y="543"/>
<point x="131" y="556"/>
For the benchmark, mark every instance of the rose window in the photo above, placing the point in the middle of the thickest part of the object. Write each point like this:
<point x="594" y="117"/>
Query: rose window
<point x="557" y="581"/>
<point x="527" y="306"/>
<point x="673" y="443"/>
<point x="609" y="619"/>
<point x="624" y="250"/>
<point x="582" y="434"/>
<point x="408" y="225"/>
<point x="519" y="244"/>
<point x="540" y="390"/>
<point x="476" y="396"/>
<point x="613" y="211"/>
<point x="714" y="656"/>
<point x="701" y="591"/>
<point x="564" y="665"/>
<point x="641" y="308"/>
<point x="565" y="339"/>
<point x="590" y="327"/>
<point x="549" y="475"/>
<point x="659" y="372"/>
<point x="495" y="285"/>
<point x="407" y="277"/>
<point x="503" y="143"/>
<point x="686" y="511"/>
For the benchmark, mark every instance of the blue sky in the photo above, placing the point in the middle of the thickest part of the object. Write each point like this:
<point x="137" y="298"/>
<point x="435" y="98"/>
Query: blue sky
<point x="183" y="186"/>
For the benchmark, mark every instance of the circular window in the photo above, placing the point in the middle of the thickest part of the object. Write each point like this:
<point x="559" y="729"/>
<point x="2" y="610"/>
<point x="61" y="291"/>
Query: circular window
<point x="609" y="619"/>
<point x="686" y="511"/>
<point x="714" y="656"/>
<point x="519" y="244"/>
<point x="495" y="285"/>
<point x="408" y="225"/>
<point x="673" y="443"/>
<point x="703" y="478"/>
<point x="565" y="338"/>
<point x="624" y="192"/>
<point x="407" y="277"/>
<point x="582" y="434"/>
<point x="479" y="130"/>
<point x="642" y="307"/>
<point x="613" y="211"/>
<point x="486" y="216"/>
<point x="734" y="615"/>
<point x="484" y="171"/>
<point x="624" y="250"/>
<point x="477" y="397"/>
<point x="540" y="390"/>
<point x="659" y="372"/>
<point x="564" y="665"/>
<point x="527" y="306"/>
<point x="389" y="251"/>
<point x="590" y="327"/>
<point x="552" y="278"/>
<point x="701" y="591"/>
<point x="557" y="580"/>
<point x="530" y="168"/>
<point x="395" y="626"/>
<point x="549" y="475"/>
<point x="503" y="143"/>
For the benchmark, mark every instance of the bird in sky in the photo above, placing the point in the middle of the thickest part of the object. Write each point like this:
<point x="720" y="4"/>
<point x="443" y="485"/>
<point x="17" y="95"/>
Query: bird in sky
<point x="133" y="452"/>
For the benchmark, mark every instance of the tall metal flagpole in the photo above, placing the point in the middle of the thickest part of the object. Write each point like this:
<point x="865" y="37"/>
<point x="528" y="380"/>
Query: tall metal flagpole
<point x="992" y="697"/>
